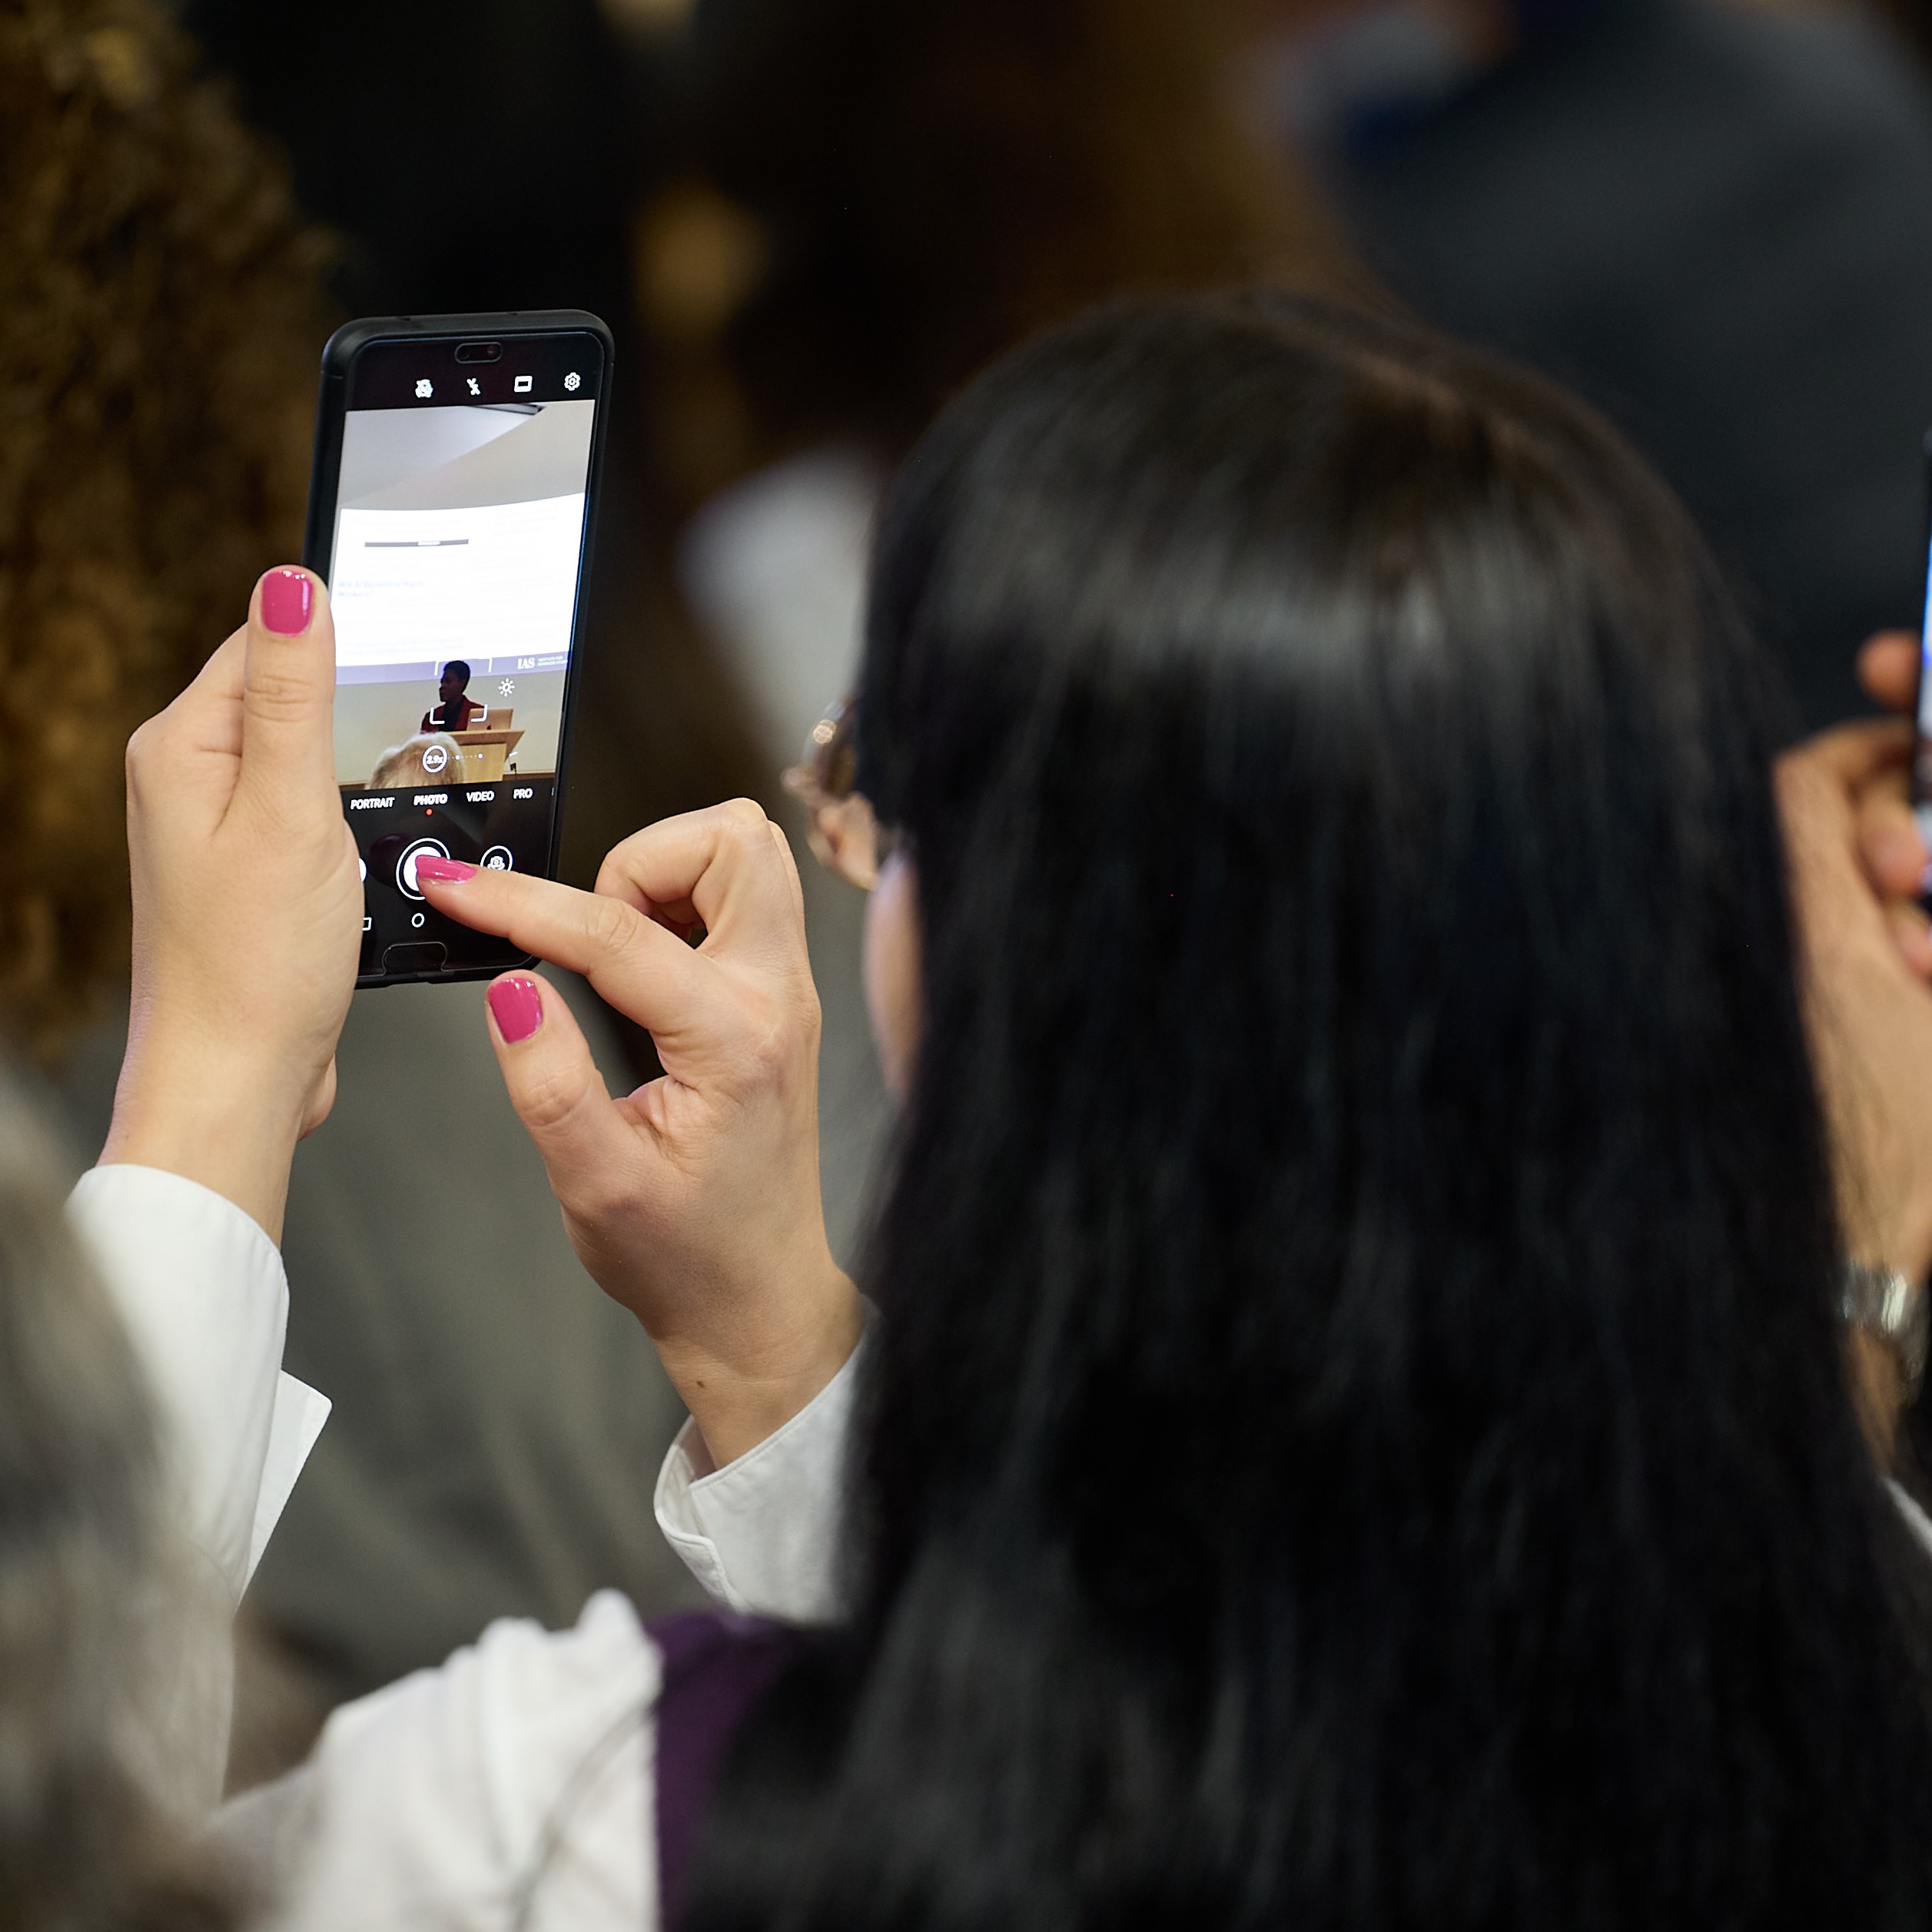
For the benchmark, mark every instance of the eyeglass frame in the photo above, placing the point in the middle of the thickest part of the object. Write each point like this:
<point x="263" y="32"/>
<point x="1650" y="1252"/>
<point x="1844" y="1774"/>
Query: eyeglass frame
<point x="846" y="836"/>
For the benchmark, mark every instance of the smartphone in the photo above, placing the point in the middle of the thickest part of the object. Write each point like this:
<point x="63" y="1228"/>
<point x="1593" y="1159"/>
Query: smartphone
<point x="450" y="508"/>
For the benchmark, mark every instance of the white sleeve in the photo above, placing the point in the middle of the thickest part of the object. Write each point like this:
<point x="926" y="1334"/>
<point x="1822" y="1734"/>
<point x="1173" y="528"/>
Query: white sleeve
<point x="512" y="1786"/>
<point x="201" y="1289"/>
<point x="763" y="1534"/>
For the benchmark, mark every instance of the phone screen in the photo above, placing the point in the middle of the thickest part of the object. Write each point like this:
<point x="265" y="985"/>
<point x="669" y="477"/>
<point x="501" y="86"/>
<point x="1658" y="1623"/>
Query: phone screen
<point x="456" y="567"/>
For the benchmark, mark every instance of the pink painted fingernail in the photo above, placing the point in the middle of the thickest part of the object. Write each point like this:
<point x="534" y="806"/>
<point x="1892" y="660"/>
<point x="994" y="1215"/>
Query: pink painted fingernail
<point x="518" y="1006"/>
<point x="451" y="872"/>
<point x="287" y="601"/>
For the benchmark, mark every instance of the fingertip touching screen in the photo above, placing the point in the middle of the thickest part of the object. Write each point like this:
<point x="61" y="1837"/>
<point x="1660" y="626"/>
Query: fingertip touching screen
<point x="461" y="515"/>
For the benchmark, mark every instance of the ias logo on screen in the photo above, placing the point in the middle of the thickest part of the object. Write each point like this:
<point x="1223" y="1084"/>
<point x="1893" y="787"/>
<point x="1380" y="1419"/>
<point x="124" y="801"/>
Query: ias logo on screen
<point x="425" y="389"/>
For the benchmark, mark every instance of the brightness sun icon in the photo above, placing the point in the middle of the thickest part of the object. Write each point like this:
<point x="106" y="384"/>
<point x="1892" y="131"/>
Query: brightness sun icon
<point x="507" y="688"/>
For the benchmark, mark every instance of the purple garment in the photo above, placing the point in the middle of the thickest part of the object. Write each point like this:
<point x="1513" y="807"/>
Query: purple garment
<point x="717" y="1666"/>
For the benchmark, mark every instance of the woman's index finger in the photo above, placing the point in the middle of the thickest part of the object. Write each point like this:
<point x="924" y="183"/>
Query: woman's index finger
<point x="721" y="865"/>
<point x="647" y="973"/>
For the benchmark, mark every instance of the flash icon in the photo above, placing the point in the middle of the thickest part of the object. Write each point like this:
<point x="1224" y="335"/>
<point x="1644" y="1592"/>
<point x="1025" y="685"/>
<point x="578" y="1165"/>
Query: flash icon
<point x="475" y="388"/>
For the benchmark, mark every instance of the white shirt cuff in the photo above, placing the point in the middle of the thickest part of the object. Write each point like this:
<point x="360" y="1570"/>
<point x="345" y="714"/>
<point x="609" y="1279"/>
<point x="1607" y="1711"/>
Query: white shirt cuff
<point x="201" y="1289"/>
<point x="763" y="1534"/>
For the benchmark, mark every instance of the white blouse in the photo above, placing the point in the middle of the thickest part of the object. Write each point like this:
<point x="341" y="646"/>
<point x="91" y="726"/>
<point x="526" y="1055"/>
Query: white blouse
<point x="513" y="1786"/>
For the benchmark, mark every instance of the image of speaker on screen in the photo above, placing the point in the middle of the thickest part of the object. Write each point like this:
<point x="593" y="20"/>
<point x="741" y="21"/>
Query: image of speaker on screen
<point x="487" y="726"/>
<point x="455" y="709"/>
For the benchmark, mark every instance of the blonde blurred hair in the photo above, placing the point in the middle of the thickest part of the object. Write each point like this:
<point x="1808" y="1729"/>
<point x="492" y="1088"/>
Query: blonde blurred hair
<point x="402" y="764"/>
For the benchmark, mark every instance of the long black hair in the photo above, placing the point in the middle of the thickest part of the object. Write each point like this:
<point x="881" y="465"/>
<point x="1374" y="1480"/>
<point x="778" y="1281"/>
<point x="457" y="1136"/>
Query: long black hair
<point x="1357" y="1436"/>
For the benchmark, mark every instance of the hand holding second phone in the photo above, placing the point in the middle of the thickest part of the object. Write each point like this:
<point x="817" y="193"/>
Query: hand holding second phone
<point x="247" y="910"/>
<point x="695" y="1201"/>
<point x="1857" y="864"/>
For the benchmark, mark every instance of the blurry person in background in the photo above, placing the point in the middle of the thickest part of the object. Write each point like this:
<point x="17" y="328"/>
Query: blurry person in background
<point x="1713" y="220"/>
<point x="883" y="199"/>
<point x="158" y="353"/>
<point x="94" y="1615"/>
<point x="877" y="200"/>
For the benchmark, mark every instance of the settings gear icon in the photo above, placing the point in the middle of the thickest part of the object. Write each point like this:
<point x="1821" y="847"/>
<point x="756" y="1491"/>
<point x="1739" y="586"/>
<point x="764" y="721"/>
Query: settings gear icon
<point x="507" y="688"/>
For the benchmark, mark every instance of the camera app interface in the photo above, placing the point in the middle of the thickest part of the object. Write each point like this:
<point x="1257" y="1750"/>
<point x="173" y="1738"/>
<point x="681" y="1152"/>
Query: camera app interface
<point x="460" y="530"/>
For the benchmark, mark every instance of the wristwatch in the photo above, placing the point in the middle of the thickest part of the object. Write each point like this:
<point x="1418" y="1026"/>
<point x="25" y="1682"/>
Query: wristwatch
<point x="1884" y="1304"/>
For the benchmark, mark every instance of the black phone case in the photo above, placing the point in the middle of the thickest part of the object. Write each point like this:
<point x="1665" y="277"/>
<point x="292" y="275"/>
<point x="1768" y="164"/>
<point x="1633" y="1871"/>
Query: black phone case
<point x="338" y="359"/>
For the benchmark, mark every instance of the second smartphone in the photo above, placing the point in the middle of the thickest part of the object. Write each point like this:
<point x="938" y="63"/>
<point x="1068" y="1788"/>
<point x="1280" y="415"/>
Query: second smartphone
<point x="450" y="510"/>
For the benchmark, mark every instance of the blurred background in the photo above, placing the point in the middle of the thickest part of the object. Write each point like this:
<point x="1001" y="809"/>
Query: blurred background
<point x="808" y="222"/>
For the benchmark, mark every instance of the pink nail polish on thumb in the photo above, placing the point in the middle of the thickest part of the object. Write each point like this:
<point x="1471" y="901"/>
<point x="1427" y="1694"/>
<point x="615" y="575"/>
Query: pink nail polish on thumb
<point x="287" y="603"/>
<point x="517" y="1005"/>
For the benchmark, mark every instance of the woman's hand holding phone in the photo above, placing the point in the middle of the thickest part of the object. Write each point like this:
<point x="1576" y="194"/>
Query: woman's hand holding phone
<point x="695" y="1201"/>
<point x="248" y="910"/>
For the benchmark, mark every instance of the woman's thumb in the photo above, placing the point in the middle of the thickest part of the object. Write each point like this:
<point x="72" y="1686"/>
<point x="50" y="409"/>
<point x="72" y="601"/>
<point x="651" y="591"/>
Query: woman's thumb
<point x="288" y="689"/>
